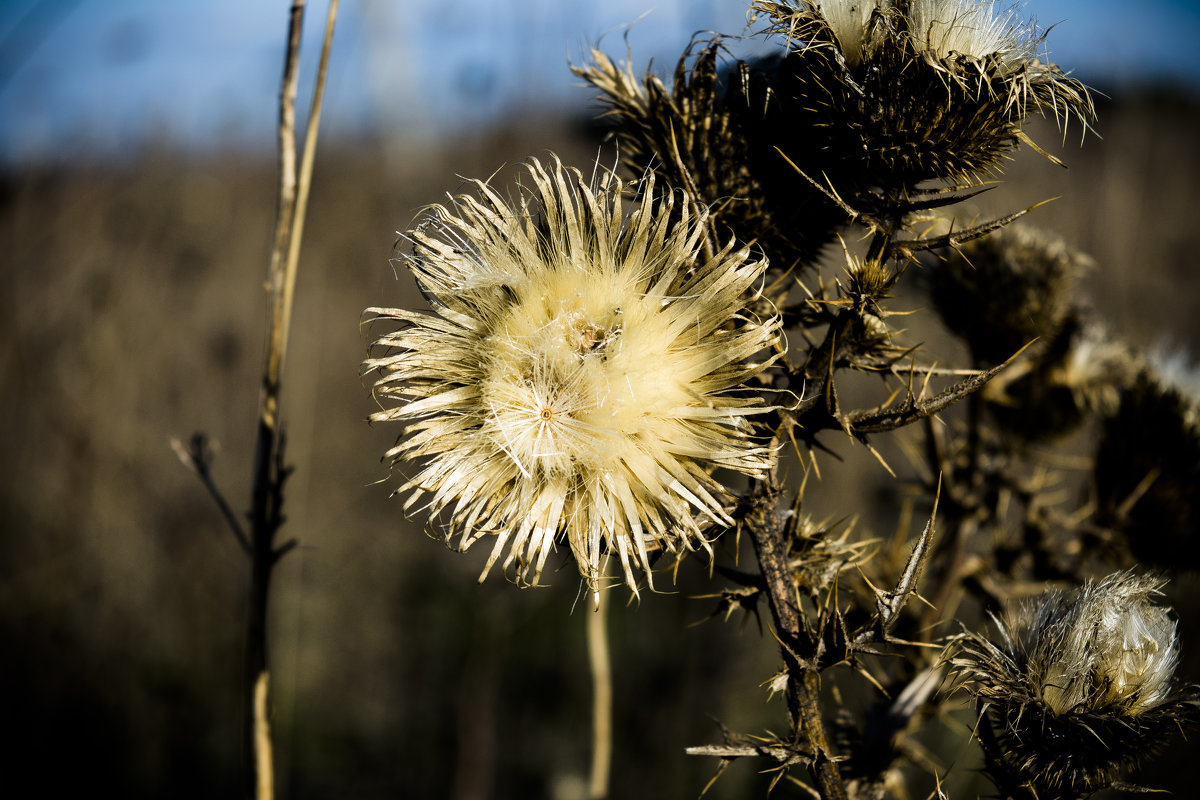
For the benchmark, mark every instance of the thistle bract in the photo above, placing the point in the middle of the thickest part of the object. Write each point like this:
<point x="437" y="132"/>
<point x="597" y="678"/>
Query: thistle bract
<point x="580" y="376"/>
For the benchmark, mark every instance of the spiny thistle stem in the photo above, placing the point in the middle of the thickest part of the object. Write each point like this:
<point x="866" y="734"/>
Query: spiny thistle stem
<point x="765" y="524"/>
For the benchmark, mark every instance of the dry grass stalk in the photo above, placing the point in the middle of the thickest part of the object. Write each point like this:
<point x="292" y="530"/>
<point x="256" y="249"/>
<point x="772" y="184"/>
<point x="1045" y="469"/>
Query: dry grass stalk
<point x="270" y="468"/>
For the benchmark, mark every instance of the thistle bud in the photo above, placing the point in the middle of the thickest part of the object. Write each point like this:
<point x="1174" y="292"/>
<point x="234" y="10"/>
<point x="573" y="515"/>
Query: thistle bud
<point x="1078" y="685"/>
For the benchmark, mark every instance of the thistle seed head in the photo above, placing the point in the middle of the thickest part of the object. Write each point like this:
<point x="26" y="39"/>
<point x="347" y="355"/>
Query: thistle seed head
<point x="1079" y="684"/>
<point x="580" y="376"/>
<point x="1105" y="646"/>
<point x="943" y="30"/>
<point x="914" y="90"/>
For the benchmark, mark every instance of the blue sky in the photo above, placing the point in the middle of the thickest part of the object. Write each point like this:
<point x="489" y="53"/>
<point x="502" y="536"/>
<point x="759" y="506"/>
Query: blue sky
<point x="108" y="75"/>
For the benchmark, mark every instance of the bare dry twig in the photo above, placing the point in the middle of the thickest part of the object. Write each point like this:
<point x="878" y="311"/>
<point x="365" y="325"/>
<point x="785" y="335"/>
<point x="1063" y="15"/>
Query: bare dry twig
<point x="270" y="470"/>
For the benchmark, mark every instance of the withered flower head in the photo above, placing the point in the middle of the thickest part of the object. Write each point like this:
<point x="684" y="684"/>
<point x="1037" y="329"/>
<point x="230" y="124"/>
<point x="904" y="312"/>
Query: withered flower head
<point x="848" y="26"/>
<point x="703" y="133"/>
<point x="1002" y="291"/>
<point x="1147" y="467"/>
<point x="848" y="19"/>
<point x="944" y="30"/>
<point x="1078" y="373"/>
<point x="580" y="376"/>
<point x="1175" y="372"/>
<point x="913" y="90"/>
<point x="1017" y="288"/>
<point x="1078" y="685"/>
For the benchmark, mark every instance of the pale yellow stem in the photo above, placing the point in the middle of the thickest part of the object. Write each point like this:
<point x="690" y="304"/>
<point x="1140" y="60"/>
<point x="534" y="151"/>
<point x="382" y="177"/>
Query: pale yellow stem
<point x="597" y="638"/>
<point x="263" y="754"/>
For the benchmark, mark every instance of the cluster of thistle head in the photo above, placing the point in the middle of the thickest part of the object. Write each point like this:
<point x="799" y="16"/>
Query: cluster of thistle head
<point x="1075" y="687"/>
<point x="865" y="101"/>
<point x="591" y="360"/>
<point x="603" y="357"/>
<point x="1019" y="289"/>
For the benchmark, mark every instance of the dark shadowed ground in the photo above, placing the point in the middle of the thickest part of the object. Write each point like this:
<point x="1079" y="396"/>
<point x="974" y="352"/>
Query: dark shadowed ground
<point x="132" y="311"/>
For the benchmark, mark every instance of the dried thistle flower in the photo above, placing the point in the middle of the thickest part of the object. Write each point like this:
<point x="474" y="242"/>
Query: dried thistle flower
<point x="699" y="135"/>
<point x="1014" y="289"/>
<point x="1002" y="291"/>
<point x="1078" y="685"/>
<point x="912" y="90"/>
<point x="846" y="25"/>
<point x="1147" y="472"/>
<point x="943" y="30"/>
<point x="1095" y="370"/>
<point x="580" y="375"/>
<point x="848" y="19"/>
<point x="1174" y="370"/>
<point x="1079" y="373"/>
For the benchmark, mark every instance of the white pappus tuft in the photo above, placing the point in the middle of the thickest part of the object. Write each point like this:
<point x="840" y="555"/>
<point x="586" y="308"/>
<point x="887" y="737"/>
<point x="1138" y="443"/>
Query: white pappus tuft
<point x="977" y="29"/>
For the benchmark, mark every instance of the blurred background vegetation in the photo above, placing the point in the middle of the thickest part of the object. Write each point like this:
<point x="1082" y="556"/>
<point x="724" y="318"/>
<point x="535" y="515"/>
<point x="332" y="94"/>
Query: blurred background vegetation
<point x="132" y="311"/>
